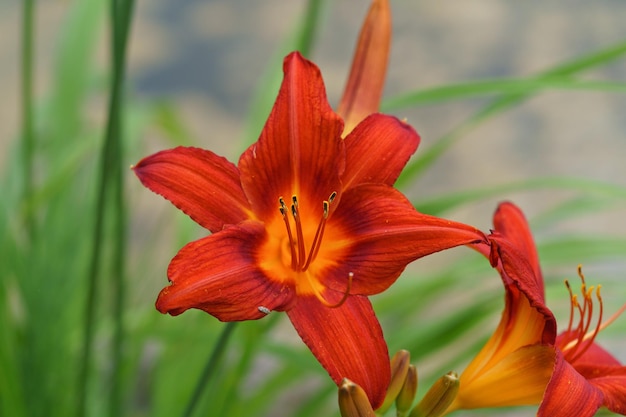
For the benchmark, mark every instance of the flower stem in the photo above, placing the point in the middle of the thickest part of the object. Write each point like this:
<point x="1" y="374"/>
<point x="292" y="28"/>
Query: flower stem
<point x="110" y="185"/>
<point x="207" y="372"/>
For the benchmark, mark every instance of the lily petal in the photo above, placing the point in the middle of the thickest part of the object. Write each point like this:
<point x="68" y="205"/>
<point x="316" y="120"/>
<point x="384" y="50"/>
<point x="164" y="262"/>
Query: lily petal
<point x="611" y="381"/>
<point x="300" y="149"/>
<point x="364" y="88"/>
<point x="511" y="223"/>
<point x="353" y="346"/>
<point x="517" y="272"/>
<point x="519" y="378"/>
<point x="377" y="150"/>
<point x="568" y="393"/>
<point x="385" y="234"/>
<point x="218" y="274"/>
<point x="202" y="184"/>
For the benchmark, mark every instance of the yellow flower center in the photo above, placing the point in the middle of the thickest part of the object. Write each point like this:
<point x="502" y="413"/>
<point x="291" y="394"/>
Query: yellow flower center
<point x="294" y="244"/>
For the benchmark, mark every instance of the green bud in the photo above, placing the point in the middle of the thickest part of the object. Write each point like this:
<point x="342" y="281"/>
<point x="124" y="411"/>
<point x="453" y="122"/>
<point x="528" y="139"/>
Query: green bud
<point x="439" y="397"/>
<point x="405" y="398"/>
<point x="399" y="368"/>
<point x="353" y="401"/>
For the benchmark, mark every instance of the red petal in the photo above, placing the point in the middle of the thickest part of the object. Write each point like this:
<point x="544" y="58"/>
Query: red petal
<point x="611" y="381"/>
<point x="604" y="372"/>
<point x="568" y="393"/>
<point x="517" y="272"/>
<point x="203" y="185"/>
<point x="385" y="233"/>
<point x="511" y="223"/>
<point x="300" y="150"/>
<point x="369" y="66"/>
<point x="347" y="341"/>
<point x="219" y="274"/>
<point x="377" y="150"/>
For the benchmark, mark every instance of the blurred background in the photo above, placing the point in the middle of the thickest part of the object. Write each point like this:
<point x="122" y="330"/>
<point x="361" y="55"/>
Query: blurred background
<point x="203" y="73"/>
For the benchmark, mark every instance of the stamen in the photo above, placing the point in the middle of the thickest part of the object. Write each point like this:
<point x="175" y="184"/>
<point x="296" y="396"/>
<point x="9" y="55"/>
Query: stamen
<point x="577" y="347"/>
<point x="292" y="243"/>
<point x="317" y="240"/>
<point x="299" y="234"/>
<point x="571" y="306"/>
<point x="299" y="260"/>
<point x="321" y="298"/>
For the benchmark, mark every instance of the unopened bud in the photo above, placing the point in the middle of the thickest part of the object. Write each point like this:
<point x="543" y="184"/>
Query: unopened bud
<point x="439" y="397"/>
<point x="353" y="401"/>
<point x="405" y="398"/>
<point x="399" y="368"/>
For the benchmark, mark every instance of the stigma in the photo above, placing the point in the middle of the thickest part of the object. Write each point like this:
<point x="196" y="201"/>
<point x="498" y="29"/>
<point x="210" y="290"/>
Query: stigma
<point x="581" y="335"/>
<point x="301" y="257"/>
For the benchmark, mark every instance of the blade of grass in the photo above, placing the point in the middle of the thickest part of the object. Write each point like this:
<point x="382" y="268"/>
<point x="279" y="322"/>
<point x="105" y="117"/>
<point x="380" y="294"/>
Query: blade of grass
<point x="428" y="157"/>
<point x="439" y="205"/>
<point x="499" y="87"/>
<point x="208" y="371"/>
<point x="28" y="134"/>
<point x="111" y="163"/>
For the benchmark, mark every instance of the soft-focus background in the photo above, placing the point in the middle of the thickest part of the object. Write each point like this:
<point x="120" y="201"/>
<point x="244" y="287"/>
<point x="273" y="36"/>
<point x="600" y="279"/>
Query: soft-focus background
<point x="197" y="69"/>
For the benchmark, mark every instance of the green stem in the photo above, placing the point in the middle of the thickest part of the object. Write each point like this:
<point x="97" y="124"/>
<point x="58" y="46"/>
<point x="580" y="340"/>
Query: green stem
<point x="28" y="135"/>
<point x="121" y="16"/>
<point x="207" y="372"/>
<point x="110" y="163"/>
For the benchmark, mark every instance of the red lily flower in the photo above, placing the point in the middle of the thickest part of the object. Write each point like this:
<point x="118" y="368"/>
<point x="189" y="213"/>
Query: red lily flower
<point x="307" y="223"/>
<point x="524" y="362"/>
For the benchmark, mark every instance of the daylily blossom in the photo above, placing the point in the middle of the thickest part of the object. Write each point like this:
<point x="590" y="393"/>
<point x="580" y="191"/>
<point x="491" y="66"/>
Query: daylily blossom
<point x="525" y="362"/>
<point x="307" y="223"/>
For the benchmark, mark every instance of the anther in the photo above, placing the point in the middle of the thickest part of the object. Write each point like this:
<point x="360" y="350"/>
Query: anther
<point x="299" y="259"/>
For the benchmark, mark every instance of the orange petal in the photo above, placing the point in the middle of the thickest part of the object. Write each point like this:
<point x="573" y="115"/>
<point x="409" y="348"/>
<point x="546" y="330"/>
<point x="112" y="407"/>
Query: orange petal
<point x="202" y="184"/>
<point x="511" y="223"/>
<point x="219" y="274"/>
<point x="568" y="393"/>
<point x="381" y="234"/>
<point x="377" y="150"/>
<point x="366" y="80"/>
<point x="300" y="151"/>
<point x="347" y="341"/>
<point x="519" y="378"/>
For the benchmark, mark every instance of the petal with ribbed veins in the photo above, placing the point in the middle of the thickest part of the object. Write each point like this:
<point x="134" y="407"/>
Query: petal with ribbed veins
<point x="377" y="150"/>
<point x="300" y="150"/>
<point x="347" y="341"/>
<point x="202" y="184"/>
<point x="383" y="233"/>
<point x="568" y="393"/>
<point x="519" y="378"/>
<point x="219" y="274"/>
<point x="511" y="223"/>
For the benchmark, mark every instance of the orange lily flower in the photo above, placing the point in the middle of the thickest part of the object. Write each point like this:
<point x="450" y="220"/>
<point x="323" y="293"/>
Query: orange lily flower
<point x="366" y="80"/>
<point x="524" y="362"/>
<point x="307" y="223"/>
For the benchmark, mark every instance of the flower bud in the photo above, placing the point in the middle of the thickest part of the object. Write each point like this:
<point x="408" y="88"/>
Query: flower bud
<point x="405" y="398"/>
<point x="399" y="368"/>
<point x="439" y="397"/>
<point x="353" y="401"/>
